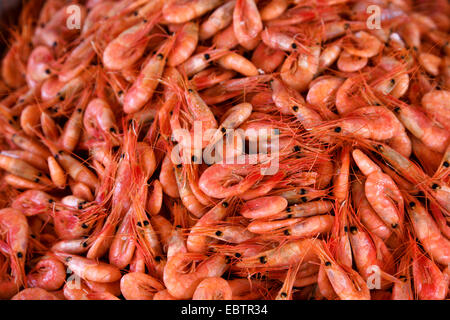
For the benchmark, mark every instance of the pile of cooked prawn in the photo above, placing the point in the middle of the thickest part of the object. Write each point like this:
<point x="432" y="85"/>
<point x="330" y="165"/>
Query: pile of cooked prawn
<point x="326" y="122"/>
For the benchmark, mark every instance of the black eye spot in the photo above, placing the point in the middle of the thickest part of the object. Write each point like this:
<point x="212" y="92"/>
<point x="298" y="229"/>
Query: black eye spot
<point x="446" y="164"/>
<point x="227" y="260"/>
<point x="263" y="259"/>
<point x="287" y="232"/>
<point x="225" y="204"/>
<point x="223" y="130"/>
<point x="33" y="236"/>
<point x="394" y="225"/>
<point x="146" y="223"/>
<point x="397" y="110"/>
<point x="68" y="259"/>
<point x="237" y="255"/>
<point x="84" y="244"/>
<point x="120" y="92"/>
<point x="47" y="71"/>
<point x="294" y="46"/>
<point x="79" y="110"/>
<point x="353" y="230"/>
<point x="288" y="209"/>
<point x="337" y="129"/>
<point x="402" y="278"/>
<point x="283" y="294"/>
<point x="304" y="199"/>
<point x="112" y="130"/>
<point x="158" y="258"/>
<point x="178" y="226"/>
<point x="296" y="148"/>
<point x="190" y="90"/>
<point x="60" y="152"/>
<point x="80" y="207"/>
<point x="345" y="229"/>
<point x="179" y="166"/>
<point x="19" y="254"/>
<point x="160" y="56"/>
<point x="219" y="233"/>
<point x="139" y="224"/>
<point x="328" y="263"/>
<point x="84" y="226"/>
<point x="36" y="180"/>
<point x="412" y="204"/>
<point x="438" y="88"/>
<point x="10" y="122"/>
<point x="295" y="108"/>
<point x="194" y="158"/>
<point x="15" y="118"/>
<point x="415" y="48"/>
<point x="302" y="191"/>
<point x="145" y="21"/>
<point x="392" y="81"/>
<point x="207" y="56"/>
<point x="55" y="44"/>
<point x="435" y="186"/>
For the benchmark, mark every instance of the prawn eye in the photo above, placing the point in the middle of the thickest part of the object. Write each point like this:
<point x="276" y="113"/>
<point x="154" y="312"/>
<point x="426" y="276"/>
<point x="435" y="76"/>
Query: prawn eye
<point x="304" y="199"/>
<point x="84" y="244"/>
<point x="80" y="206"/>
<point x="402" y="278"/>
<point x="337" y="129"/>
<point x="179" y="166"/>
<point x="33" y="236"/>
<point x="47" y="71"/>
<point x="178" y="226"/>
<point x="394" y="225"/>
<point x="223" y="130"/>
<point x="353" y="230"/>
<point x="287" y="232"/>
<point x="112" y="130"/>
<point x="225" y="204"/>
<point x="19" y="254"/>
<point x="146" y="223"/>
<point x="68" y="258"/>
<point x="328" y="263"/>
<point x="207" y="56"/>
<point x="120" y="92"/>
<point x="435" y="186"/>
<point x="219" y="233"/>
<point x="139" y="224"/>
<point x="160" y="56"/>
<point x="295" y="108"/>
<point x="446" y="164"/>
<point x="296" y="148"/>
<point x="294" y="46"/>
<point x="79" y="110"/>
<point x="263" y="259"/>
<point x="397" y="110"/>
<point x="302" y="191"/>
<point x="345" y="229"/>
<point x="194" y="158"/>
<point x="190" y="90"/>
<point x="412" y="204"/>
<point x="283" y="294"/>
<point x="84" y="226"/>
<point x="392" y="81"/>
<point x="158" y="258"/>
<point x="237" y="255"/>
<point x="36" y="180"/>
<point x="438" y="88"/>
<point x="227" y="260"/>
